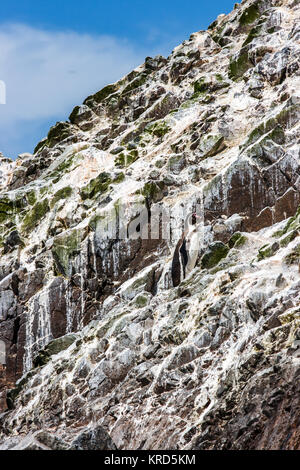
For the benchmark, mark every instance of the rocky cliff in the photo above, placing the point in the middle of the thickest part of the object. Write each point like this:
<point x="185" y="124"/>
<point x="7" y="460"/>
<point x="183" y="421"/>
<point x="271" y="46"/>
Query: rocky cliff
<point x="102" y="351"/>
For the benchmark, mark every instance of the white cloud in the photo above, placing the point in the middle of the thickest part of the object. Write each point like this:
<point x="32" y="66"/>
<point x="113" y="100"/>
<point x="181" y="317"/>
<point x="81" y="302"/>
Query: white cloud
<point x="48" y="72"/>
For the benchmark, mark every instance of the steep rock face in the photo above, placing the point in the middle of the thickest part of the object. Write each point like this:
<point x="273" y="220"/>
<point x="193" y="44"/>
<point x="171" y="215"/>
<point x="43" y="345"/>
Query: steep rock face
<point x="93" y="329"/>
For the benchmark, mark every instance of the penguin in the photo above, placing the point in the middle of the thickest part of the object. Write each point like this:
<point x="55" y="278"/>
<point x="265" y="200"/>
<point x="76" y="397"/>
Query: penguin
<point x="186" y="252"/>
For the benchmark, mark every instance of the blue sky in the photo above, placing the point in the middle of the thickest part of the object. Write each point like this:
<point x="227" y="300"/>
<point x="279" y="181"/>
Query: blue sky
<point x="55" y="53"/>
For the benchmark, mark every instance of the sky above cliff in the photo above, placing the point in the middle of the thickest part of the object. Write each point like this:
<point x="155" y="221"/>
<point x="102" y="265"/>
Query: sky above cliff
<point x="54" y="54"/>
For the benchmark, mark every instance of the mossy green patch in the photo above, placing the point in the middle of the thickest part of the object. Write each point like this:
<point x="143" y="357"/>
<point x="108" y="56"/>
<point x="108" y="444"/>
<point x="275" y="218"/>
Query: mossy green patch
<point x="290" y="237"/>
<point x="137" y="82"/>
<point x="255" y="32"/>
<point x="201" y="85"/>
<point x="35" y="215"/>
<point x="267" y="251"/>
<point x="96" y="186"/>
<point x="239" y="66"/>
<point x="152" y="191"/>
<point x="211" y="145"/>
<point x="125" y="159"/>
<point x="199" y="97"/>
<point x="54" y="347"/>
<point x="119" y="178"/>
<point x="102" y="94"/>
<point x="160" y="163"/>
<point x="270" y="129"/>
<point x="209" y="84"/>
<point x="57" y="133"/>
<point x="237" y="240"/>
<point x="40" y="145"/>
<point x="158" y="129"/>
<point x="215" y="253"/>
<point x="31" y="197"/>
<point x="250" y="14"/>
<point x="94" y="222"/>
<point x="294" y="256"/>
<point x="64" y="247"/>
<point x="63" y="167"/>
<point x="293" y="223"/>
<point x="288" y="116"/>
<point x="74" y="114"/>
<point x="63" y="193"/>
<point x="141" y="301"/>
<point x="10" y="208"/>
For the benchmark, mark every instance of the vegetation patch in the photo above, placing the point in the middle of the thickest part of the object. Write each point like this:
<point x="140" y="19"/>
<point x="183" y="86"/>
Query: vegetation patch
<point x="237" y="240"/>
<point x="292" y="224"/>
<point x="267" y="251"/>
<point x="294" y="256"/>
<point x="57" y="133"/>
<point x="9" y="207"/>
<point x="31" y="197"/>
<point x="63" y="193"/>
<point x="239" y="66"/>
<point x="63" y="167"/>
<point x="96" y="186"/>
<point x="54" y="347"/>
<point x="137" y="82"/>
<point x="153" y="191"/>
<point x="158" y="129"/>
<point x="255" y="32"/>
<point x="35" y="215"/>
<point x="102" y="94"/>
<point x="250" y="14"/>
<point x="125" y="159"/>
<point x="211" y="145"/>
<point x="64" y="247"/>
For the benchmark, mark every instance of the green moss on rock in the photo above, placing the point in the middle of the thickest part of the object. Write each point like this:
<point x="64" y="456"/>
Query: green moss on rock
<point x="201" y="85"/>
<point x="141" y="301"/>
<point x="102" y="94"/>
<point x="292" y="224"/>
<point x="54" y="347"/>
<point x="57" y="134"/>
<point x="74" y="114"/>
<point x="270" y="129"/>
<point x="237" y="240"/>
<point x="214" y="254"/>
<point x="64" y="247"/>
<point x="239" y="66"/>
<point x="209" y="84"/>
<point x="290" y="237"/>
<point x="250" y="14"/>
<point x="153" y="191"/>
<point x="31" y="197"/>
<point x="96" y="186"/>
<point x="267" y="251"/>
<point x="63" y="193"/>
<point x="158" y="129"/>
<point x="120" y="177"/>
<point x="125" y="159"/>
<point x="63" y="167"/>
<point x="9" y="208"/>
<point x="255" y="32"/>
<point x="294" y="256"/>
<point x="35" y="215"/>
<point x="136" y="82"/>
